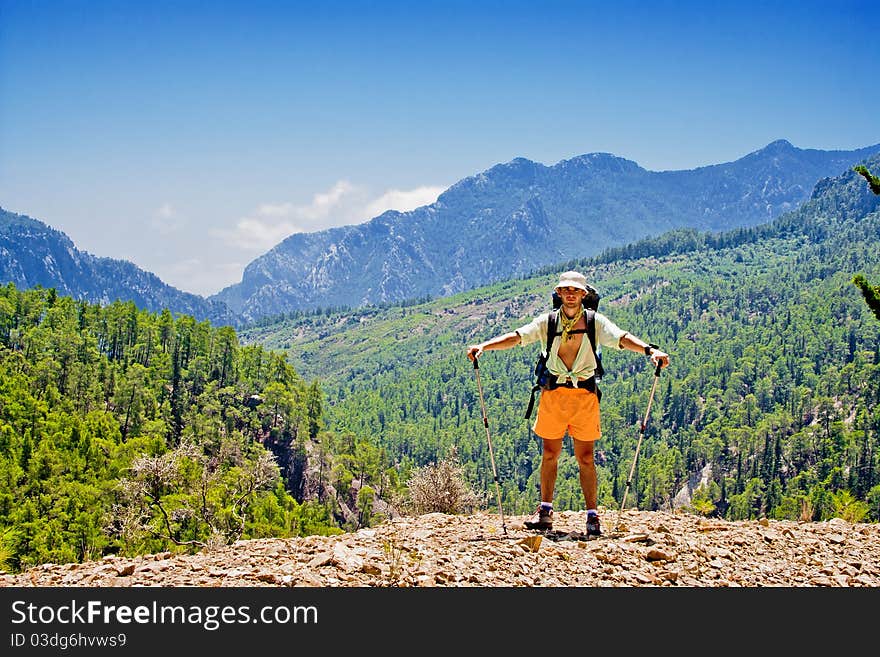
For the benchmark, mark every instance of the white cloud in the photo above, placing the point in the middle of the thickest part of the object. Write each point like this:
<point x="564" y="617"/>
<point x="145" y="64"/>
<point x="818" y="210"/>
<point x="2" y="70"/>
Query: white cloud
<point x="269" y="210"/>
<point x="167" y="220"/>
<point x="270" y="223"/>
<point x="323" y="204"/>
<point x="256" y="233"/>
<point x="403" y="200"/>
<point x="342" y="205"/>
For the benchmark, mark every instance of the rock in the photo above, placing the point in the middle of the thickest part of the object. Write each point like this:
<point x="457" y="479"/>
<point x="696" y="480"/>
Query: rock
<point x="530" y="543"/>
<point x="322" y="559"/>
<point x="438" y="550"/>
<point x="657" y="555"/>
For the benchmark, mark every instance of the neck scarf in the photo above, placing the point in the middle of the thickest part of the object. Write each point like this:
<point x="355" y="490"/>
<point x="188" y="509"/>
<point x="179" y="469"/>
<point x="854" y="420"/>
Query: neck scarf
<point x="568" y="324"/>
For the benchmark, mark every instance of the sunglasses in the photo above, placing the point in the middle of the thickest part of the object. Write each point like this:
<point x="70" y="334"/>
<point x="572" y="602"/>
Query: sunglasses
<point x="568" y="290"/>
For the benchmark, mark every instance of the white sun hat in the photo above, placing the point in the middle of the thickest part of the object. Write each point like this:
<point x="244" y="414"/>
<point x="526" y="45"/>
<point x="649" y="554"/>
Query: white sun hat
<point x="572" y="279"/>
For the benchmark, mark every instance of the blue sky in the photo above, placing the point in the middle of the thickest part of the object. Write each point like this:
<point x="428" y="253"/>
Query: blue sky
<point x="190" y="137"/>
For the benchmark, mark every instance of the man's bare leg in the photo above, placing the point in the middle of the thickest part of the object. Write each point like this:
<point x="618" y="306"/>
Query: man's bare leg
<point x="549" y="466"/>
<point x="583" y="452"/>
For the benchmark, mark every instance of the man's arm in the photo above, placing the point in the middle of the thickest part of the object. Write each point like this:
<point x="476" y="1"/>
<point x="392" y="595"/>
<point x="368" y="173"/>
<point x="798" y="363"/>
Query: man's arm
<point x="632" y="343"/>
<point x="505" y="341"/>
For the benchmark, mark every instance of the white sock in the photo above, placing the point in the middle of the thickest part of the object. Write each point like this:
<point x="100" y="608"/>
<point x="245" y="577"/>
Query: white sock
<point x="592" y="512"/>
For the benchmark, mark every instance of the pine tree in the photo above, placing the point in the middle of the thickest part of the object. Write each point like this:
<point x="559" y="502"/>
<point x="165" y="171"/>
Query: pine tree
<point x="871" y="293"/>
<point x="873" y="181"/>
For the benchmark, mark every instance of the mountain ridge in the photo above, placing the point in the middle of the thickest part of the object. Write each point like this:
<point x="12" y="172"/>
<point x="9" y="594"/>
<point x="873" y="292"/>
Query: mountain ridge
<point x="33" y="253"/>
<point x="518" y="216"/>
<point x="487" y="227"/>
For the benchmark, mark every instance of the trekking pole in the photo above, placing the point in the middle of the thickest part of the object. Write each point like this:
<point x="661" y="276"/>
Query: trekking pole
<point x="489" y="440"/>
<point x="639" y="444"/>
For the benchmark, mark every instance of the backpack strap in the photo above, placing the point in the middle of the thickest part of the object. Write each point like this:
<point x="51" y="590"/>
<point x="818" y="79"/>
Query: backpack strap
<point x="551" y="333"/>
<point x="591" y="333"/>
<point x="551" y="330"/>
<point x="535" y="389"/>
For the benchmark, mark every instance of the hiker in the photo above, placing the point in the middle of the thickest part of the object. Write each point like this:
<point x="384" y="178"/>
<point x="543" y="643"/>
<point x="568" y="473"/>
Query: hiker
<point x="570" y="404"/>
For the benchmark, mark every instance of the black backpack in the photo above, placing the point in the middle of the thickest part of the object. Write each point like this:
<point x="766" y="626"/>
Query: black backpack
<point x="544" y="380"/>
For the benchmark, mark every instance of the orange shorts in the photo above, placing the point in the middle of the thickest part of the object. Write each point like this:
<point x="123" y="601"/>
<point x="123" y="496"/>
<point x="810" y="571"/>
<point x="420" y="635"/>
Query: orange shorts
<point x="575" y="410"/>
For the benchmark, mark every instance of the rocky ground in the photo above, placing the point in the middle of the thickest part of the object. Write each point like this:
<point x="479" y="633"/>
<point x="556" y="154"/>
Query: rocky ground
<point x="653" y="549"/>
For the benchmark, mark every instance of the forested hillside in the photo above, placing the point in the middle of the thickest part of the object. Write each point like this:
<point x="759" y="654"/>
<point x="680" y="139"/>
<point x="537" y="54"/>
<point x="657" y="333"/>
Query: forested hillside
<point x="771" y="398"/>
<point x="125" y="432"/>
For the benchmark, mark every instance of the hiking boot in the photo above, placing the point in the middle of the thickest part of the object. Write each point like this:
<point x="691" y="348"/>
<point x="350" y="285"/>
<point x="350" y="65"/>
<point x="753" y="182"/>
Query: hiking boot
<point x="542" y="519"/>
<point x="593" y="528"/>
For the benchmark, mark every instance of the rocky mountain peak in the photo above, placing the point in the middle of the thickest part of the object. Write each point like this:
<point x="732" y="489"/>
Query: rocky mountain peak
<point x="780" y="145"/>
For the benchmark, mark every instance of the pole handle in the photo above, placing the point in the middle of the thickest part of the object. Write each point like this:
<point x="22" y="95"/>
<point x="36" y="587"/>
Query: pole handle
<point x="476" y="364"/>
<point x="656" y="371"/>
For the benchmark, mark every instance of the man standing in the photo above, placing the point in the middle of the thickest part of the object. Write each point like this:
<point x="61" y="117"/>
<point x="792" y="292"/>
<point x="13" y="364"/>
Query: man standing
<point x="570" y="403"/>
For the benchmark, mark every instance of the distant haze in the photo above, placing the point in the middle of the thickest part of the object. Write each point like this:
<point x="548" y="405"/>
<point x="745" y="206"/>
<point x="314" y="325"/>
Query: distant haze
<point x="190" y="138"/>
